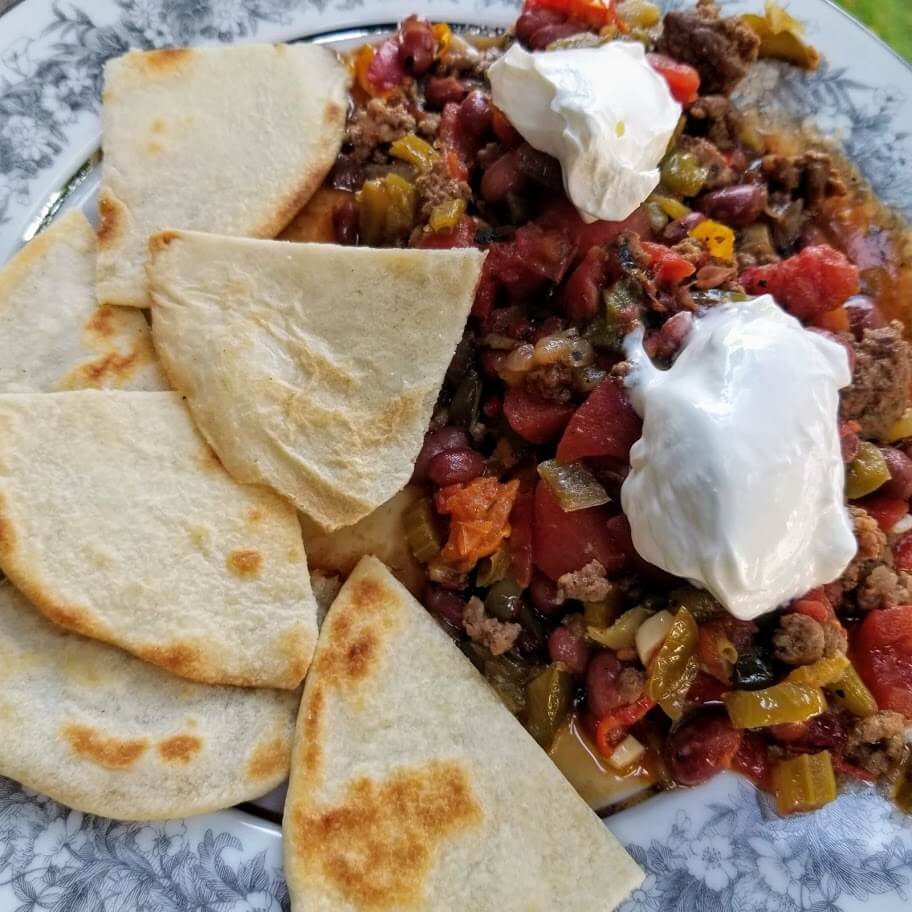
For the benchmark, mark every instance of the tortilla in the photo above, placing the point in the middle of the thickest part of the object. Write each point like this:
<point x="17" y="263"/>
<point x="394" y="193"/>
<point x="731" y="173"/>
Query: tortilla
<point x="102" y="732"/>
<point x="311" y="368"/>
<point x="229" y="139"/>
<point x="412" y="787"/>
<point x="118" y="522"/>
<point x="53" y="334"/>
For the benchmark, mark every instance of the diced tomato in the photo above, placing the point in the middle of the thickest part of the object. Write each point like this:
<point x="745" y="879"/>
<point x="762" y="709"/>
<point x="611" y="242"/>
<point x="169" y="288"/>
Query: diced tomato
<point x="752" y="760"/>
<point x="385" y="70"/>
<point x="883" y="657"/>
<point x="814" y="281"/>
<point x="580" y="295"/>
<point x="902" y="552"/>
<point x="594" y="13"/>
<point x="564" y="542"/>
<point x="520" y="541"/>
<point x="706" y="689"/>
<point x="558" y="213"/>
<point x="463" y="235"/>
<point x="888" y="511"/>
<point x="683" y="80"/>
<point x="824" y="732"/>
<point x="604" y="425"/>
<point x="533" y="418"/>
<point x="701" y="745"/>
<point x="668" y="266"/>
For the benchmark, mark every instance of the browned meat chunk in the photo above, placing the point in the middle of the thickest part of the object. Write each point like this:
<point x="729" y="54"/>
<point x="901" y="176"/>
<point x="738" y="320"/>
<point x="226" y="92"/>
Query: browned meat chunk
<point x="588" y="585"/>
<point x="380" y="122"/>
<point x="721" y="50"/>
<point x="715" y="117"/>
<point x="878" y="394"/>
<point x="883" y="587"/>
<point x="630" y="684"/>
<point x="835" y="639"/>
<point x="800" y="640"/>
<point x="876" y="744"/>
<point x="435" y="186"/>
<point x="553" y="382"/>
<point x="810" y="175"/>
<point x="497" y="636"/>
<point x="718" y="172"/>
<point x="872" y="545"/>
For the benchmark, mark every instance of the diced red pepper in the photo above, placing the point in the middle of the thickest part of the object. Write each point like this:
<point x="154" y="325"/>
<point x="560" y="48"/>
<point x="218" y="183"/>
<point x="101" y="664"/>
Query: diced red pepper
<point x="604" y="425"/>
<point x="610" y="729"/>
<point x="533" y="418"/>
<point x="668" y="266"/>
<point x="564" y="542"/>
<point x="814" y="281"/>
<point x="888" y="511"/>
<point x="683" y="80"/>
<point x="902" y="552"/>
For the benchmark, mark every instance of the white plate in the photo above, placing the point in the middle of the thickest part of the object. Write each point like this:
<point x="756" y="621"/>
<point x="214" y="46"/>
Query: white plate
<point x="712" y="849"/>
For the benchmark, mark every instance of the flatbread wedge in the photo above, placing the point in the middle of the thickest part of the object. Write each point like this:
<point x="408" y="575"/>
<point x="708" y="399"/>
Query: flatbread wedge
<point x="412" y="786"/>
<point x="311" y="368"/>
<point x="118" y="522"/>
<point x="228" y="139"/>
<point x="105" y="733"/>
<point x="54" y="335"/>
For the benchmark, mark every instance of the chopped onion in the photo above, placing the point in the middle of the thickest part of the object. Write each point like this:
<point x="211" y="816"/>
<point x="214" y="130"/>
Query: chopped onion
<point x="628" y="752"/>
<point x="652" y="634"/>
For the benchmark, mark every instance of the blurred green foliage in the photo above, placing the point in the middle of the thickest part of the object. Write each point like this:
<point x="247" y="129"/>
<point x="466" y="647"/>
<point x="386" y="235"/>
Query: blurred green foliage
<point x="891" y="19"/>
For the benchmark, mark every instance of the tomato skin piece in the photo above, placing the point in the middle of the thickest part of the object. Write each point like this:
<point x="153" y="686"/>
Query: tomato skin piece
<point x="533" y="418"/>
<point x="888" y="511"/>
<point x="683" y="80"/>
<point x="883" y="657"/>
<point x="668" y="266"/>
<point x="604" y="425"/>
<point x="564" y="542"/>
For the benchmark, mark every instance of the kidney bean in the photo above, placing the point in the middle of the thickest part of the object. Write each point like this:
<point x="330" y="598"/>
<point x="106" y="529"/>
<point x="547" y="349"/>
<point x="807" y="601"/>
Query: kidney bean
<point x="673" y="333"/>
<point x="863" y="314"/>
<point x="602" y="692"/>
<point x="502" y="178"/>
<point x="900" y="467"/>
<point x="345" y="223"/>
<point x="543" y="593"/>
<point x="447" y="607"/>
<point x="530" y="21"/>
<point x="440" y="90"/>
<point x="566" y="647"/>
<point x="677" y="230"/>
<point x="539" y="167"/>
<point x="702" y="745"/>
<point x="737" y="206"/>
<point x="492" y="407"/>
<point x="548" y="33"/>
<point x="475" y="114"/>
<point x="455" y="467"/>
<point x="347" y="174"/>
<point x="416" y="45"/>
<point x="439" y="441"/>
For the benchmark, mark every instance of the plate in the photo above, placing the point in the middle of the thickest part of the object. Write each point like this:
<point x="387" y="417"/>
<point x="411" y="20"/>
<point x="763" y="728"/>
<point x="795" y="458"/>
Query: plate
<point x="713" y="849"/>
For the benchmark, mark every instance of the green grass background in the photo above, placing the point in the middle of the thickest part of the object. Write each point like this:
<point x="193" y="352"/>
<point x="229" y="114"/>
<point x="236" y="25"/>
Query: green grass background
<point x="891" y="19"/>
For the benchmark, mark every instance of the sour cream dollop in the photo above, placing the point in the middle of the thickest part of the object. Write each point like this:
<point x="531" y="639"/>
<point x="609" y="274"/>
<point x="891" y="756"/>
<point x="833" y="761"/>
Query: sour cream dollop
<point x="737" y="481"/>
<point x="603" y="112"/>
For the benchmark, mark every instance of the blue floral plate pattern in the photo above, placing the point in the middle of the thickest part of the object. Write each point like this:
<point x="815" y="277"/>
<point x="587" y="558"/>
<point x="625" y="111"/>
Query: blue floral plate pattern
<point x="719" y="848"/>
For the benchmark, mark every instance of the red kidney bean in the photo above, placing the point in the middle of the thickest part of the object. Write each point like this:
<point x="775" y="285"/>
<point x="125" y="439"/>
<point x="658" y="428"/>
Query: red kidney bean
<point x="475" y="114"/>
<point x="701" y="746"/>
<point x="439" y="441"/>
<point x="542" y="37"/>
<point x="492" y="407"/>
<point x="455" y="467"/>
<point x="863" y="314"/>
<point x="602" y="692"/>
<point x="345" y="223"/>
<point x="673" y="333"/>
<point x="539" y="167"/>
<point x="543" y="593"/>
<point x="439" y="90"/>
<point x="532" y="20"/>
<point x="347" y="174"/>
<point x="679" y="229"/>
<point x="416" y="45"/>
<point x="566" y="647"/>
<point x="447" y="607"/>
<point x="502" y="178"/>
<point x="737" y="206"/>
<point x="900" y="467"/>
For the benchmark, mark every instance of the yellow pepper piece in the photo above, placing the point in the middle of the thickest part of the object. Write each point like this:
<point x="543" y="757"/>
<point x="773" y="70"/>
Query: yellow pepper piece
<point x="414" y="150"/>
<point x="674" y="667"/>
<point x="867" y="472"/>
<point x="902" y="428"/>
<point x="640" y="14"/>
<point x="386" y="209"/>
<point x="622" y="633"/>
<point x="852" y="693"/>
<point x="673" y="208"/>
<point x="442" y="33"/>
<point x="785" y="702"/>
<point x="781" y="37"/>
<point x="719" y="238"/>
<point x="804" y="783"/>
<point x="820" y="673"/>
<point x="445" y="216"/>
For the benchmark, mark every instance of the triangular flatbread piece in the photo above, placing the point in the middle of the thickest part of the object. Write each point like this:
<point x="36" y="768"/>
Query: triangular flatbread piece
<point x="312" y="368"/>
<point x="54" y="335"/>
<point x="118" y="522"/>
<point x="412" y="786"/>
<point x="228" y="139"/>
<point x="103" y="732"/>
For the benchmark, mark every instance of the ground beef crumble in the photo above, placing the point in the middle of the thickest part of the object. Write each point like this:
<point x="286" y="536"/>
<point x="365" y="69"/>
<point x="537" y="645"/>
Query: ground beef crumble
<point x="435" y="186"/>
<point x="630" y="684"/>
<point x="587" y="585"/>
<point x="553" y="382"/>
<point x="721" y="50"/>
<point x="876" y="744"/>
<point x="718" y="119"/>
<point x="884" y="587"/>
<point x="878" y="394"/>
<point x="810" y="175"/>
<point x="800" y="640"/>
<point x="380" y="122"/>
<point x="497" y="636"/>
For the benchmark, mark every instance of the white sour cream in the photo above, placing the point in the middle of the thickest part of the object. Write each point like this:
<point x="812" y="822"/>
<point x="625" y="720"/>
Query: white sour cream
<point x="603" y="112"/>
<point x="737" y="481"/>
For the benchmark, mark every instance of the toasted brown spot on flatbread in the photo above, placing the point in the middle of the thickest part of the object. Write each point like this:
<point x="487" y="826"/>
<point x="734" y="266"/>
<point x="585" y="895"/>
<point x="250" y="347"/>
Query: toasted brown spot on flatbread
<point x="334" y="114"/>
<point x="255" y="515"/>
<point x="245" y="563"/>
<point x="154" y="148"/>
<point x="158" y="125"/>
<point x="111" y="214"/>
<point x="111" y="753"/>
<point x="378" y="846"/>
<point x="269" y="759"/>
<point x="111" y="369"/>
<point x="180" y="659"/>
<point x="208" y="461"/>
<point x="7" y="536"/>
<point x="165" y="59"/>
<point x="180" y="748"/>
<point x="101" y="323"/>
<point x="161" y="240"/>
<point x="313" y="753"/>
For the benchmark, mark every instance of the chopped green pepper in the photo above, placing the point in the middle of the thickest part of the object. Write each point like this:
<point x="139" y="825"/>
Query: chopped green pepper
<point x="781" y="37"/>
<point x="682" y="173"/>
<point x="548" y="699"/>
<point x="867" y="471"/>
<point x="804" y="783"/>
<point x="494" y="568"/>
<point x="466" y="401"/>
<point x="852" y="693"/>
<point x="421" y="532"/>
<point x="675" y="666"/>
<point x="785" y="702"/>
<point x="622" y="633"/>
<point x="574" y="486"/>
<point x="503" y="600"/>
<point x="601" y="614"/>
